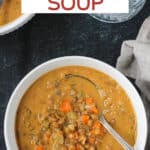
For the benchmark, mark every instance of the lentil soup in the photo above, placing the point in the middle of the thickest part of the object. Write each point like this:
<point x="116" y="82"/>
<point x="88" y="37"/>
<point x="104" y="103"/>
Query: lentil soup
<point x="60" y="112"/>
<point x="9" y="11"/>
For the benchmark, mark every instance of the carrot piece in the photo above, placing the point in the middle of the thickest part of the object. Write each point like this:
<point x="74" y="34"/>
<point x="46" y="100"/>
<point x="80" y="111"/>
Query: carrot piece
<point x="47" y="136"/>
<point x="76" y="135"/>
<point x="66" y="106"/>
<point x="85" y="119"/>
<point x="94" y="110"/>
<point x="91" y="140"/>
<point x="89" y="101"/>
<point x="39" y="147"/>
<point x="78" y="147"/>
<point x="98" y="129"/>
<point x="97" y="124"/>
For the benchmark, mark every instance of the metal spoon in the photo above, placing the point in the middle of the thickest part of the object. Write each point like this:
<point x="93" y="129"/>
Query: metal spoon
<point x="103" y="121"/>
<point x="108" y="127"/>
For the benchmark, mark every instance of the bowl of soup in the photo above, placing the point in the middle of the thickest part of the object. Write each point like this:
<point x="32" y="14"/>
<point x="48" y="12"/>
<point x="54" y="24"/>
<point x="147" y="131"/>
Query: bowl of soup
<point x="57" y="105"/>
<point x="11" y="17"/>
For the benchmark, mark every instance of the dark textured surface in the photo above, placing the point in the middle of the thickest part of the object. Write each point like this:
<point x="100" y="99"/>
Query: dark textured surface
<point x="50" y="36"/>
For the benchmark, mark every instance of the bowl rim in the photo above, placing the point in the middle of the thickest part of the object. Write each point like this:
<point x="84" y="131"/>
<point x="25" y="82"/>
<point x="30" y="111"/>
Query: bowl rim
<point x="55" y="63"/>
<point x="15" y="24"/>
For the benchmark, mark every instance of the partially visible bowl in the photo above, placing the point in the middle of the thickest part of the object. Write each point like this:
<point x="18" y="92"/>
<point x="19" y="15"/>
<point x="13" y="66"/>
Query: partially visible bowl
<point x="135" y="6"/>
<point x="30" y="78"/>
<point x="14" y="25"/>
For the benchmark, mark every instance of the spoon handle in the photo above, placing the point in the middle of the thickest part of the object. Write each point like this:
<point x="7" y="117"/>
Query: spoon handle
<point x="124" y="144"/>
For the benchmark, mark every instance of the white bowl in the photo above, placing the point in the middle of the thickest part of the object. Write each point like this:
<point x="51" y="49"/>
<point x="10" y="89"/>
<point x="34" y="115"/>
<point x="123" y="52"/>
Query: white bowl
<point x="30" y="78"/>
<point x="14" y="25"/>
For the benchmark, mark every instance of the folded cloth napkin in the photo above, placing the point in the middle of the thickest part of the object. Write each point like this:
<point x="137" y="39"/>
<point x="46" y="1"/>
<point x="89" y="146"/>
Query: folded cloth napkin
<point x="134" y="61"/>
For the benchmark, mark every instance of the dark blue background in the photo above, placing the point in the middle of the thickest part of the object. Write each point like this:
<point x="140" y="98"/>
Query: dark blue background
<point x="50" y="36"/>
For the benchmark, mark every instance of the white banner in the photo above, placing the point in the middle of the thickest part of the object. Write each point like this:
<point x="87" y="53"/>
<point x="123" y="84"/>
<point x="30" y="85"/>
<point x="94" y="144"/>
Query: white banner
<point x="75" y="6"/>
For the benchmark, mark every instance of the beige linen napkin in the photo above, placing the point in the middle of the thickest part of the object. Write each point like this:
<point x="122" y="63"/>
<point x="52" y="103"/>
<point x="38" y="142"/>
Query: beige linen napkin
<point x="134" y="61"/>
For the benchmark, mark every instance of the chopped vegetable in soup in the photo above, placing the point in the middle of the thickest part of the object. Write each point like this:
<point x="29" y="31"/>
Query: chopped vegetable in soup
<point x="9" y="11"/>
<point x="60" y="111"/>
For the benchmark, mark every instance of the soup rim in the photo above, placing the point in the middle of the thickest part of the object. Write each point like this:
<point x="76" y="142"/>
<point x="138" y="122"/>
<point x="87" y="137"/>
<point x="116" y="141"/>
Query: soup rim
<point x="15" y="24"/>
<point x="31" y="77"/>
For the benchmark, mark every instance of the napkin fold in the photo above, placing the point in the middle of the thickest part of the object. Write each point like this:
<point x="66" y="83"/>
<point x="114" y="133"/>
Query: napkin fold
<point x="134" y="60"/>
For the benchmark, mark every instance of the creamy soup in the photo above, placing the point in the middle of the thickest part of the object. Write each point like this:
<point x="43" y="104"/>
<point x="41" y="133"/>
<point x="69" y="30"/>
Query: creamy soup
<point x="9" y="11"/>
<point x="60" y="112"/>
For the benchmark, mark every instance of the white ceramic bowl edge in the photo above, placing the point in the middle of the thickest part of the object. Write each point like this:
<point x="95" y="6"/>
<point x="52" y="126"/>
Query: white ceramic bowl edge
<point x="14" y="25"/>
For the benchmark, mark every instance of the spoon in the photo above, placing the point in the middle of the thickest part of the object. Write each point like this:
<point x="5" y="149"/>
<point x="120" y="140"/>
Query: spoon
<point x="103" y="121"/>
<point x="108" y="127"/>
